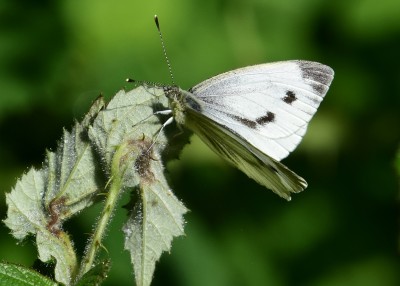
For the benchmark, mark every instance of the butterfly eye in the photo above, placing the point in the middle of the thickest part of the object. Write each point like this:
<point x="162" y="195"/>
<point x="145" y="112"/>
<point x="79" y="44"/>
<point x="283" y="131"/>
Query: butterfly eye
<point x="171" y="91"/>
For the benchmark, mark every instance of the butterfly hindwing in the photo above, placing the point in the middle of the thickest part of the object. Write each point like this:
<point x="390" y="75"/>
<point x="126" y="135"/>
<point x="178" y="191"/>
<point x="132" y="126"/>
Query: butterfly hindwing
<point x="257" y="165"/>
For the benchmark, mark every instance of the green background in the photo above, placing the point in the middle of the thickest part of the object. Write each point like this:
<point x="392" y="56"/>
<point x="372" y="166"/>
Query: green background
<point x="56" y="57"/>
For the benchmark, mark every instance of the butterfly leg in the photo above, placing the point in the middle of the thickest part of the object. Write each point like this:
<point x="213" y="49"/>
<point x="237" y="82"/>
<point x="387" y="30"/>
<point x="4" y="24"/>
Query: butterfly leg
<point x="166" y="123"/>
<point x="163" y="112"/>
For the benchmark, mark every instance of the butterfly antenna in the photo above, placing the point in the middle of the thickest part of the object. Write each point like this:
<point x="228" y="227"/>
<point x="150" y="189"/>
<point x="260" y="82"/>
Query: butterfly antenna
<point x="161" y="112"/>
<point x="164" y="49"/>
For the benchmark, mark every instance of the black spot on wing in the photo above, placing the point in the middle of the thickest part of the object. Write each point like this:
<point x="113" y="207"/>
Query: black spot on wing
<point x="290" y="97"/>
<point x="316" y="72"/>
<point x="269" y="117"/>
<point x="249" y="123"/>
<point x="262" y="120"/>
<point x="321" y="75"/>
<point x="320" y="88"/>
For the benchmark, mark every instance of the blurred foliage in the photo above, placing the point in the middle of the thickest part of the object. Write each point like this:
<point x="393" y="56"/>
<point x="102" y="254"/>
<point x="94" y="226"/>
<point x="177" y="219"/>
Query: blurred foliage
<point x="57" y="56"/>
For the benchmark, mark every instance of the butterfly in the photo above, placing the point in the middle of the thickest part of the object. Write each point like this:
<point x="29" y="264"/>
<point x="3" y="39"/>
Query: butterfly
<point x="253" y="117"/>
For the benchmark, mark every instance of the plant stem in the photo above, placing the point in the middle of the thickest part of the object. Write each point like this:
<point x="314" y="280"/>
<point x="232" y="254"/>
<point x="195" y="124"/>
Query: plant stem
<point x="109" y="206"/>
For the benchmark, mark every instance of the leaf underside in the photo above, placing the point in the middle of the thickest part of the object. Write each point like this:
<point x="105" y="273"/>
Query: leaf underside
<point x="124" y="140"/>
<point x="138" y="142"/>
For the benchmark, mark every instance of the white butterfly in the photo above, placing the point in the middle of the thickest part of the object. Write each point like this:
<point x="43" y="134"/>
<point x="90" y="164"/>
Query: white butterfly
<point x="255" y="116"/>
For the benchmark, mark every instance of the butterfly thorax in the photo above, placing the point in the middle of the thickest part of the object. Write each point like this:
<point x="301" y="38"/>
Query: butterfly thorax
<point x="180" y="101"/>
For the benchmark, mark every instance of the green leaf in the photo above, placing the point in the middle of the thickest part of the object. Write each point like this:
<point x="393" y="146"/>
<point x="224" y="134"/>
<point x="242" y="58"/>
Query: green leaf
<point x="16" y="275"/>
<point x="96" y="275"/>
<point x="43" y="199"/>
<point x="156" y="220"/>
<point x="132" y="141"/>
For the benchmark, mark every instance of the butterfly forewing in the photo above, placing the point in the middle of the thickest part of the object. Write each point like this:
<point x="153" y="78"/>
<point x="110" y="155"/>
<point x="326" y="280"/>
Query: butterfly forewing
<point x="267" y="105"/>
